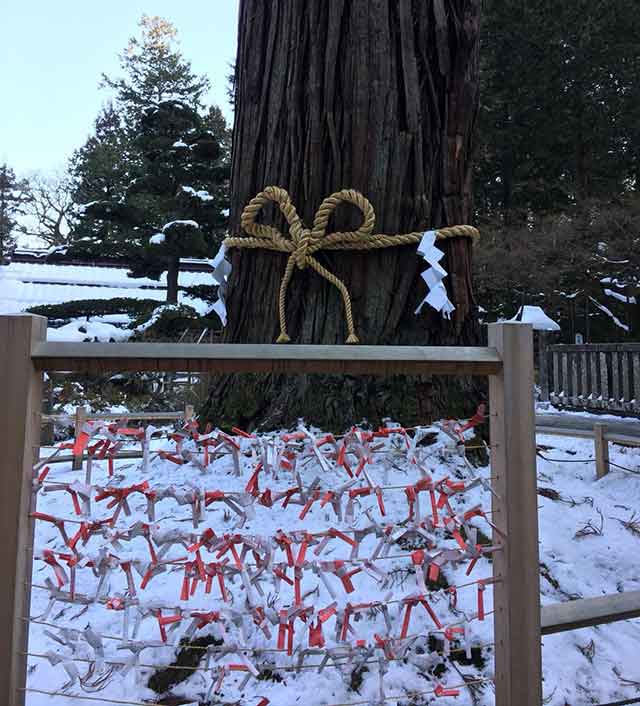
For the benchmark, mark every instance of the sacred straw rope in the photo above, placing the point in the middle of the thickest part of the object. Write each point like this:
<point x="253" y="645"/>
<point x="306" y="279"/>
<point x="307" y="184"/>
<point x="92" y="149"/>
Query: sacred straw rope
<point x="303" y="242"/>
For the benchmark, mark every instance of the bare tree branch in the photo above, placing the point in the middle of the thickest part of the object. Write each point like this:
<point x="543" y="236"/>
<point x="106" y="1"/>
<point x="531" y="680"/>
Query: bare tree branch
<point x="48" y="209"/>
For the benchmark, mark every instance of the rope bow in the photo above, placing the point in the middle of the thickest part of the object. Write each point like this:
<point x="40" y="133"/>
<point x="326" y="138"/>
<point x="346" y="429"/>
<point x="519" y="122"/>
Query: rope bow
<point x="303" y="242"/>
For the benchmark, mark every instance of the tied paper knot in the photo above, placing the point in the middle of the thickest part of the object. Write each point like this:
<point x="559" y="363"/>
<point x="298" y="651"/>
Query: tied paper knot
<point x="302" y="243"/>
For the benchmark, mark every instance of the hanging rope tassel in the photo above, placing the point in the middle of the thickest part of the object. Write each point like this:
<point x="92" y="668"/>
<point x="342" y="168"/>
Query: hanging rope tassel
<point x="302" y="243"/>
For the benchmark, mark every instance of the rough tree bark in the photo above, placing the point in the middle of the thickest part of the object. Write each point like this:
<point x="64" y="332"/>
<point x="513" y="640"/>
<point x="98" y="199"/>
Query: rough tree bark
<point x="376" y="95"/>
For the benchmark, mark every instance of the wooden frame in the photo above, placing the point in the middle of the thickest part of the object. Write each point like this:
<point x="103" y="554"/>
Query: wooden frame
<point x="626" y="434"/>
<point x="21" y="388"/>
<point x="518" y="675"/>
<point x="508" y="361"/>
<point x="583" y="613"/>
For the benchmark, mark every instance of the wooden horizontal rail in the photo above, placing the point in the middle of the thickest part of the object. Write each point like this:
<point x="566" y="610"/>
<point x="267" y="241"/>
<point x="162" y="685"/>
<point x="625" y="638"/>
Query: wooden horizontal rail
<point x="265" y="358"/>
<point x="560" y="617"/>
<point x="118" y="456"/>
<point x="594" y="347"/>
<point x="624" y="439"/>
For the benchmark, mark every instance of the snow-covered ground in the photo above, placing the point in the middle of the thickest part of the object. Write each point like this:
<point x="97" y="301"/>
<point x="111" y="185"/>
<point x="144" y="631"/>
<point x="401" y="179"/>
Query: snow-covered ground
<point x="581" y="667"/>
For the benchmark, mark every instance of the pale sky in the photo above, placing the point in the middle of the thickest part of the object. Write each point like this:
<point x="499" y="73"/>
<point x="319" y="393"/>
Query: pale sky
<point x="53" y="52"/>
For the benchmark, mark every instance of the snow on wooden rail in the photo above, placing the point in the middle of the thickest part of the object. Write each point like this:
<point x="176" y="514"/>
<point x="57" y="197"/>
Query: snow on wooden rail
<point x="508" y="361"/>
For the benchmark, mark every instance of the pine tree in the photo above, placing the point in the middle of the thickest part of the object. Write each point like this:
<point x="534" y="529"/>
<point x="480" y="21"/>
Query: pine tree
<point x="158" y="160"/>
<point x="12" y="198"/>
<point x="177" y="203"/>
<point x="561" y="110"/>
<point x="154" y="71"/>
<point x="101" y="170"/>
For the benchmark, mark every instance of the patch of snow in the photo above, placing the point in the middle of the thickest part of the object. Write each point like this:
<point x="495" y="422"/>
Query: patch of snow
<point x="189" y="223"/>
<point x="203" y="195"/>
<point x="535" y="315"/>
<point x="610" y="314"/>
<point x="157" y="239"/>
<point x="93" y="330"/>
<point x="155" y="316"/>
<point x="620" y="297"/>
<point x="24" y="285"/>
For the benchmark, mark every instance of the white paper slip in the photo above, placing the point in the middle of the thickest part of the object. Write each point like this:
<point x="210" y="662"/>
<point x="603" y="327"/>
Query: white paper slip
<point x="434" y="275"/>
<point x="427" y="242"/>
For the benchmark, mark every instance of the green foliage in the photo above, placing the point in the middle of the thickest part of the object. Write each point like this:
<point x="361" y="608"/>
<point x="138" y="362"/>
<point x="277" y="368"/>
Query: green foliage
<point x="101" y="170"/>
<point x="154" y="71"/>
<point x="155" y="175"/>
<point x="558" y="162"/>
<point x="66" y="311"/>
<point x="560" y="117"/>
<point x="207" y="292"/>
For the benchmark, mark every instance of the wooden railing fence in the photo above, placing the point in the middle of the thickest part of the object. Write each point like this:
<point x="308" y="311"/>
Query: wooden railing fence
<point x="508" y="362"/>
<point x="593" y="376"/>
<point x="82" y="414"/>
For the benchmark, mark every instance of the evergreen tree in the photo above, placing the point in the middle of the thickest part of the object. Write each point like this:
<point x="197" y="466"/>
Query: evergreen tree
<point x="101" y="170"/>
<point x="12" y="198"/>
<point x="560" y="120"/>
<point x="154" y="71"/>
<point x="158" y="161"/>
<point x="176" y="207"/>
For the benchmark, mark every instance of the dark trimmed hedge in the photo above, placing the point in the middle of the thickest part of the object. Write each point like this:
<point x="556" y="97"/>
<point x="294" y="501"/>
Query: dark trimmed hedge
<point x="66" y="311"/>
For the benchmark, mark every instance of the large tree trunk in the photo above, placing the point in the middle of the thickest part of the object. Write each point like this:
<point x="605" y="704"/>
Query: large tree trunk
<point x="375" y="95"/>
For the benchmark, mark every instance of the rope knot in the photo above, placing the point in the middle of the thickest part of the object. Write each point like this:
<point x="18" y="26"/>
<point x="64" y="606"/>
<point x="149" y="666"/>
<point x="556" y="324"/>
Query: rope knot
<point x="301" y="254"/>
<point x="302" y="243"/>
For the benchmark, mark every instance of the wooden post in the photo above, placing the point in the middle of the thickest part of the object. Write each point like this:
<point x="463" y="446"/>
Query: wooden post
<point x="566" y="389"/>
<point x="595" y="387"/>
<point x="81" y="418"/>
<point x="48" y="429"/>
<point x="557" y="383"/>
<point x="543" y="366"/>
<point x="21" y="387"/>
<point x="604" y="380"/>
<point x="602" y="450"/>
<point x="515" y="513"/>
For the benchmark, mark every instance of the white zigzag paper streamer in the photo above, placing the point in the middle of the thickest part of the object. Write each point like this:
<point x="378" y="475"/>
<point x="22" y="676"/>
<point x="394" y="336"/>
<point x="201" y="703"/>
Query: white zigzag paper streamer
<point x="221" y="271"/>
<point x="437" y="295"/>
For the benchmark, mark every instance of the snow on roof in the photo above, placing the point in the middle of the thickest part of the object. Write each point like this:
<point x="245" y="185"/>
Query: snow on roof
<point x="528" y="314"/>
<point x="25" y="284"/>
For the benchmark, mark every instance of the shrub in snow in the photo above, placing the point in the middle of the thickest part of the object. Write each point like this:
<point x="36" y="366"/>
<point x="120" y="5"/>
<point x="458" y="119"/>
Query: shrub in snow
<point x="167" y="321"/>
<point x="63" y="313"/>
